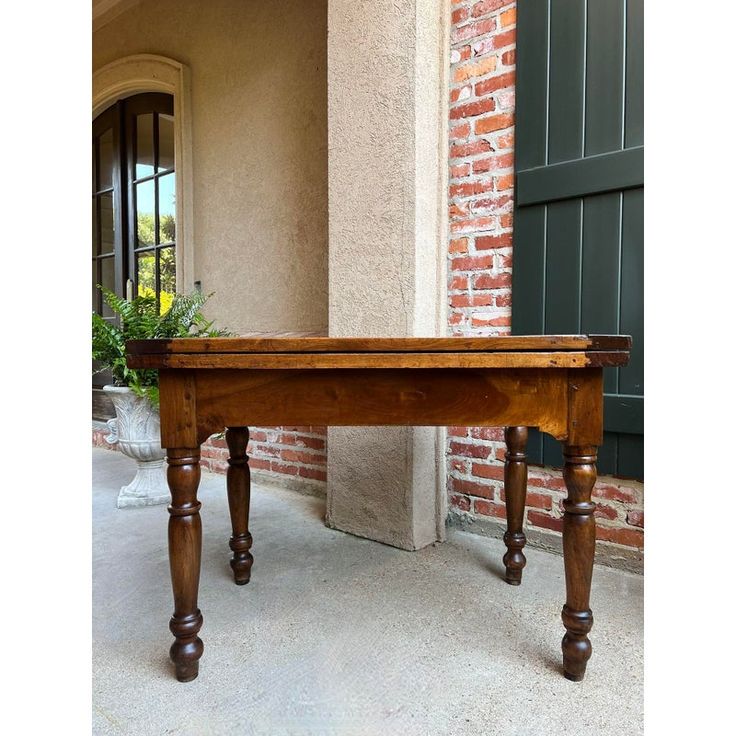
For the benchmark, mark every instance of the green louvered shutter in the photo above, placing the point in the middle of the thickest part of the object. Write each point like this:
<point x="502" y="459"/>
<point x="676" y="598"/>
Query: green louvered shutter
<point x="579" y="220"/>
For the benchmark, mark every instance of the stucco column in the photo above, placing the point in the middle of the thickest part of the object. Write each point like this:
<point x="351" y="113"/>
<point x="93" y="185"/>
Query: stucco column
<point x="387" y="122"/>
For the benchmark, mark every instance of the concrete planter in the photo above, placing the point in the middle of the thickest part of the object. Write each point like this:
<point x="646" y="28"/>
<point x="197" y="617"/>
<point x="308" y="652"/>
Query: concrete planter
<point x="136" y="431"/>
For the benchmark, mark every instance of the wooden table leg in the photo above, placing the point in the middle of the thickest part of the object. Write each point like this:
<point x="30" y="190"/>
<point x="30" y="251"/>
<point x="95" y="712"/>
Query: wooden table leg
<point x="185" y="553"/>
<point x="238" y="496"/>
<point x="514" y="478"/>
<point x="578" y="541"/>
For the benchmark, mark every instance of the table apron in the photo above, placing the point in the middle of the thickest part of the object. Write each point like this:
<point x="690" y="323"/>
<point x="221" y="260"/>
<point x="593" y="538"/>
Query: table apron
<point x="222" y="398"/>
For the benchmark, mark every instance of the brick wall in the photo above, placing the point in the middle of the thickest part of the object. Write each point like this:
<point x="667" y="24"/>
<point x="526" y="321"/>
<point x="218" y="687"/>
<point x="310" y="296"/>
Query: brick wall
<point x="296" y="452"/>
<point x="479" y="273"/>
<point x="293" y="452"/>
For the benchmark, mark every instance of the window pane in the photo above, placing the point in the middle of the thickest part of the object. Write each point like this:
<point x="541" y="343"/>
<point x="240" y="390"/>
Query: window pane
<point x="167" y="266"/>
<point x="146" y="273"/>
<point x="144" y="145"/>
<point x="166" y="209"/>
<point x="165" y="142"/>
<point x="144" y="194"/>
<point x="107" y="223"/>
<point x="106" y="160"/>
<point x="108" y="281"/>
<point x="95" y="234"/>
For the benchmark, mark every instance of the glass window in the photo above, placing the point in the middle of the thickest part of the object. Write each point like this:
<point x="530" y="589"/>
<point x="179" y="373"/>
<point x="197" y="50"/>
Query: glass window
<point x="134" y="199"/>
<point x="144" y="145"/>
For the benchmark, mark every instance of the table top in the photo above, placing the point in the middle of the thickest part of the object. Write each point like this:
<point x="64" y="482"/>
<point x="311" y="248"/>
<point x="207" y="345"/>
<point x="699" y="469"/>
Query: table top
<point x="506" y="351"/>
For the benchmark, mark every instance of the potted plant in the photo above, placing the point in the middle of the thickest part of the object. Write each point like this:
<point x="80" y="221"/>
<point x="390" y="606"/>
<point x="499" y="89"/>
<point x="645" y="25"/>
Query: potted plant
<point x="134" y="393"/>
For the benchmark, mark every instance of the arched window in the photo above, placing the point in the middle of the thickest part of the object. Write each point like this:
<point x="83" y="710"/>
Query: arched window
<point x="133" y="206"/>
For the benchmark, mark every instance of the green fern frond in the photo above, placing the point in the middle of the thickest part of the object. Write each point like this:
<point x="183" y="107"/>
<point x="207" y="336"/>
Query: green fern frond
<point x="139" y="319"/>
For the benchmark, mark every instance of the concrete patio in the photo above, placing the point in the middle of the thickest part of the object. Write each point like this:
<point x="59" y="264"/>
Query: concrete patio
<point x="341" y="635"/>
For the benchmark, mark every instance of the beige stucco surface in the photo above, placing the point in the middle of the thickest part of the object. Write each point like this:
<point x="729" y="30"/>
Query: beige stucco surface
<point x="259" y="143"/>
<point x="387" y="155"/>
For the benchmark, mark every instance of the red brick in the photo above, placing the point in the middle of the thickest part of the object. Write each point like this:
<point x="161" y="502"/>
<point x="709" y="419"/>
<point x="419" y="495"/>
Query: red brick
<point x="539" y="518"/>
<point x="471" y="109"/>
<point x="502" y="300"/>
<point x="506" y="220"/>
<point x="459" y="171"/>
<point x="278" y="467"/>
<point x="488" y="6"/>
<point x="478" y="223"/>
<point x="491" y="281"/>
<point x="493" y="122"/>
<point x="545" y="480"/>
<point x="635" y="518"/>
<point x="487" y="433"/>
<point x="460" y="301"/>
<point x="472" y="30"/>
<point x="493" y="163"/>
<point x="488" y="242"/>
<point x="471" y="263"/>
<point x="257" y="463"/>
<point x="626" y="536"/>
<point x="459" y="466"/>
<point x="494" y="472"/>
<point x="615" y="493"/>
<point x="476" y="69"/>
<point x="493" y="204"/>
<point x="506" y="140"/>
<point x="604" y="511"/>
<point x="460" y="150"/>
<point x="266" y="450"/>
<point x="504" y="182"/>
<point x="537" y="500"/>
<point x="508" y="17"/>
<point x="470" y="488"/>
<point x="458" y="132"/>
<point x="481" y="320"/>
<point x="471" y="188"/>
<point x="460" y="14"/>
<point x="459" y="245"/>
<point x="458" y="283"/>
<point x="301" y="441"/>
<point x="296" y="456"/>
<point x="504" y="39"/>
<point x="460" y="502"/>
<point x="508" y="58"/>
<point x="492" y="84"/>
<point x="457" y="431"/>
<point x="489" y="509"/>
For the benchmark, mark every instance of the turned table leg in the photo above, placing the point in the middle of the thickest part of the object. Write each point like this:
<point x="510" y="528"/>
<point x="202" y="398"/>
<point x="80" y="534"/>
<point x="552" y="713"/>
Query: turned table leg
<point x="238" y="496"/>
<point x="185" y="552"/>
<point x="578" y="542"/>
<point x="514" y="479"/>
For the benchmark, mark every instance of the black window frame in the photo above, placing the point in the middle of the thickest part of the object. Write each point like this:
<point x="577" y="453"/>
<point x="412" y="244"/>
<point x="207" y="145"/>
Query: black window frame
<point x="121" y="118"/>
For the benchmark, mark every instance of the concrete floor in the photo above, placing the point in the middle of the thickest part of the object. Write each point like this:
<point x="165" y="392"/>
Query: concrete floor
<point x="340" y="635"/>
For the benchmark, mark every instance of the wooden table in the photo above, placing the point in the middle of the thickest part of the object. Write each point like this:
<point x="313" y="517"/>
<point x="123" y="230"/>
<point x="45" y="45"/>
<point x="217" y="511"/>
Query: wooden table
<point x="551" y="382"/>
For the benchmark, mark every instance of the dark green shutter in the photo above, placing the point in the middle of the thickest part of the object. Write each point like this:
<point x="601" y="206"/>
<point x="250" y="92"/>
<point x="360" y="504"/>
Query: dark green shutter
<point x="579" y="219"/>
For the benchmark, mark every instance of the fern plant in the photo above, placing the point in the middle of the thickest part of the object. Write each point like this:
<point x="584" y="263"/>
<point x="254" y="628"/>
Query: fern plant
<point x="140" y="320"/>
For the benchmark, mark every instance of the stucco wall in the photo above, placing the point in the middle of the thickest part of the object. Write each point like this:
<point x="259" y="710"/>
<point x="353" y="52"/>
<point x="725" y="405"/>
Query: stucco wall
<point x="259" y="140"/>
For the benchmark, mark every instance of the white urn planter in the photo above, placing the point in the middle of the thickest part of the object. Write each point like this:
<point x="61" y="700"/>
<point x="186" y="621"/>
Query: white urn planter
<point x="136" y="431"/>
